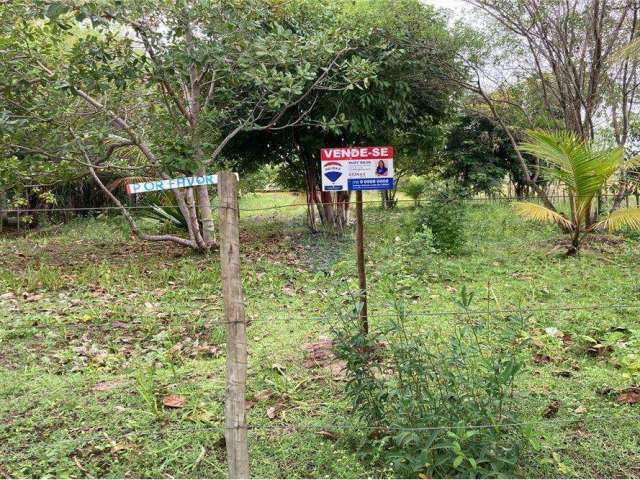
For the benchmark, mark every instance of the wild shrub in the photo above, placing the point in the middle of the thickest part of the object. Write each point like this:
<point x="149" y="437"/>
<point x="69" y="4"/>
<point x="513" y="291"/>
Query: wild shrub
<point x="436" y="405"/>
<point x="445" y="215"/>
<point x="415" y="187"/>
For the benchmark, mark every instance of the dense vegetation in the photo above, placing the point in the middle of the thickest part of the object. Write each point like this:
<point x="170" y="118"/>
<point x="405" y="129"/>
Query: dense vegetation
<point x="502" y="266"/>
<point x="102" y="328"/>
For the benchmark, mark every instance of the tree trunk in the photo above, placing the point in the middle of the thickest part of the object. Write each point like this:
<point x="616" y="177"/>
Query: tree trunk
<point x="332" y="208"/>
<point x="3" y="207"/>
<point x="575" y="238"/>
<point x="205" y="214"/>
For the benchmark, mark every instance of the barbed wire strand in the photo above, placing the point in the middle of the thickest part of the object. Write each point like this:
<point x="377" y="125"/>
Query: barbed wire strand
<point x="275" y="207"/>
<point x="372" y="315"/>
<point x="382" y="428"/>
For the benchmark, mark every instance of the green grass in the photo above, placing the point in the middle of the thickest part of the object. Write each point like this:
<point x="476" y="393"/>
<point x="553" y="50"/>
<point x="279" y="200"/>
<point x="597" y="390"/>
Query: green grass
<point x="102" y="327"/>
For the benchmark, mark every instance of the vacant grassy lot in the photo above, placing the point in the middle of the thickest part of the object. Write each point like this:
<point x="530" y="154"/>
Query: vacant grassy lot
<point x="97" y="329"/>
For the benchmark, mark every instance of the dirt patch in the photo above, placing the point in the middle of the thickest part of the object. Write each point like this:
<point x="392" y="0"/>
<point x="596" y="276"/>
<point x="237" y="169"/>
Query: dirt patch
<point x="596" y="242"/>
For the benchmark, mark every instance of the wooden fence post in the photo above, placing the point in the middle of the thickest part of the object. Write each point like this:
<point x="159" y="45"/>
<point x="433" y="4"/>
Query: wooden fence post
<point x="234" y="409"/>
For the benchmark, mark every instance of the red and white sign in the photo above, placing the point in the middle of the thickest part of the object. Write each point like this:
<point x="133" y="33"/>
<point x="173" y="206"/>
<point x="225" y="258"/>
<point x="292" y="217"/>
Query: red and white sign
<point x="357" y="168"/>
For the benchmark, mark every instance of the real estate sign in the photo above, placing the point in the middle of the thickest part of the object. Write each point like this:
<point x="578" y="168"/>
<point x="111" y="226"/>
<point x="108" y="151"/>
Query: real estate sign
<point x="357" y="168"/>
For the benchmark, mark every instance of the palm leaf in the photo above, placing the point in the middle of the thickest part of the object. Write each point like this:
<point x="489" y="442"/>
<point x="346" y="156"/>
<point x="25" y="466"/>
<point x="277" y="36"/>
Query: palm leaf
<point x="630" y="51"/>
<point x="633" y="164"/>
<point x="540" y="213"/>
<point x="583" y="169"/>
<point x="556" y="149"/>
<point x="620" y="219"/>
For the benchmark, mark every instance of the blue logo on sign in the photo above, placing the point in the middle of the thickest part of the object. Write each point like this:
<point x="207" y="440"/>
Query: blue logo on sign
<point x="333" y="176"/>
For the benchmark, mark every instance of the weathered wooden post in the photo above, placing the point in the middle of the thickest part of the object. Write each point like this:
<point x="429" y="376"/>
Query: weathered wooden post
<point x="234" y="409"/>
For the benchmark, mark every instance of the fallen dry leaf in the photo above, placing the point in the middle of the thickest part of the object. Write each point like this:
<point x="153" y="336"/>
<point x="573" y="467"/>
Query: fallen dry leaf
<point x="108" y="385"/>
<point x="272" y="412"/>
<point x="34" y="298"/>
<point x="339" y="370"/>
<point x="288" y="291"/>
<point x="628" y="398"/>
<point x="566" y="339"/>
<point x="328" y="435"/>
<point x="120" y="446"/>
<point x="541" y="359"/>
<point x="263" y="395"/>
<point x="174" y="401"/>
<point x="319" y="354"/>
<point x="552" y="409"/>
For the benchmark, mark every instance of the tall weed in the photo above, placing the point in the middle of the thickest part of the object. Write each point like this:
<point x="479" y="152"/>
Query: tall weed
<point x="438" y="404"/>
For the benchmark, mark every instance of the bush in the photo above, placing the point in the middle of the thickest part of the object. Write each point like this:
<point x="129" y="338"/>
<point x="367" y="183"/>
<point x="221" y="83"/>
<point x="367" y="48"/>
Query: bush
<point x="445" y="216"/>
<point x="415" y="187"/>
<point x="434" y="406"/>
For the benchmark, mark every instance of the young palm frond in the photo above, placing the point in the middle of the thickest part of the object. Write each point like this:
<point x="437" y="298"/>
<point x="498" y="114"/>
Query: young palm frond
<point x="630" y="51"/>
<point x="540" y="213"/>
<point x="584" y="171"/>
<point x="621" y="219"/>
<point x="575" y="163"/>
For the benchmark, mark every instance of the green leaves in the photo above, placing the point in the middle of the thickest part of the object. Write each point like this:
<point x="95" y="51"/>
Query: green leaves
<point x="582" y="167"/>
<point x="434" y="388"/>
<point x="54" y="10"/>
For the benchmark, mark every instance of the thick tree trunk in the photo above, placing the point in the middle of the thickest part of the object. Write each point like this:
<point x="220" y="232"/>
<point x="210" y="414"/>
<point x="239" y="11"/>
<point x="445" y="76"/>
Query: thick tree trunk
<point x="205" y="215"/>
<point x="332" y="208"/>
<point x="389" y="199"/>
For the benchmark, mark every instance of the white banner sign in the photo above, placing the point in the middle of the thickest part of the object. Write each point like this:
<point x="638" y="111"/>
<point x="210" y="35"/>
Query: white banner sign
<point x="183" y="182"/>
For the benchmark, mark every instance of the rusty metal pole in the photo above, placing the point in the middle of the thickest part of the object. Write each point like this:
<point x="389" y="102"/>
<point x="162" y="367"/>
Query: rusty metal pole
<point x="362" y="278"/>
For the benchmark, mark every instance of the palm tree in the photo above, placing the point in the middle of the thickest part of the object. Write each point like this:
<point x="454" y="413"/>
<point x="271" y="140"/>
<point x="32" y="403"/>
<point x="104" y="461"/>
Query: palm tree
<point x="583" y="170"/>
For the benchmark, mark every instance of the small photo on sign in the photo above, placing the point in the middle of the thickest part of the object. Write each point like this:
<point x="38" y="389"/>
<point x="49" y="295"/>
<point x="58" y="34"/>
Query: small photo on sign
<point x="381" y="169"/>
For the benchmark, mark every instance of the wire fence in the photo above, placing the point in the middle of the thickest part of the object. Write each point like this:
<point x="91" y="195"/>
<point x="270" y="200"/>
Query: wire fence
<point x="480" y="199"/>
<point x="216" y="317"/>
<point x="253" y="319"/>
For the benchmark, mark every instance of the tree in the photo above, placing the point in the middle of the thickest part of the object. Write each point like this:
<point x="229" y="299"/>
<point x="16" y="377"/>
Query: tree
<point x="159" y="89"/>
<point x="415" y="187"/>
<point x="406" y="104"/>
<point x="566" y="48"/>
<point x="584" y="170"/>
<point x="479" y="156"/>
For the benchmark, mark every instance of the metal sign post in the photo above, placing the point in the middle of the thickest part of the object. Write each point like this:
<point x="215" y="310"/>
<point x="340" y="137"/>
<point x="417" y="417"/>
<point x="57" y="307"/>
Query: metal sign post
<point x="362" y="276"/>
<point x="358" y="169"/>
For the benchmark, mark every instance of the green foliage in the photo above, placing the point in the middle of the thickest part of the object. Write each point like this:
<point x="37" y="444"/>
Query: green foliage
<point x="479" y="155"/>
<point x="629" y="357"/>
<point x="264" y="178"/>
<point x="146" y="383"/>
<point x="620" y="345"/>
<point x="445" y="216"/>
<point x="435" y="403"/>
<point x="583" y="169"/>
<point x="162" y="207"/>
<point x="415" y="187"/>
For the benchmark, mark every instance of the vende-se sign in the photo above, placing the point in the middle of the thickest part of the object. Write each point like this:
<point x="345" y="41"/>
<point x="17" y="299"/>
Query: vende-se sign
<point x="357" y="168"/>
